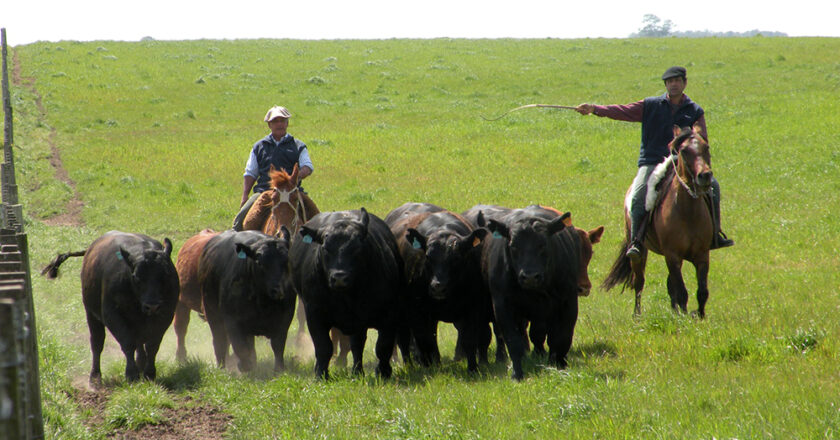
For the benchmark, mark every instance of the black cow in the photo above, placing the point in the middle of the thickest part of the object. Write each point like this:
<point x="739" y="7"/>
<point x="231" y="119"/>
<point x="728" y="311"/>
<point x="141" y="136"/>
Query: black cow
<point x="531" y="266"/>
<point x="441" y="255"/>
<point x="246" y="290"/>
<point x="348" y="271"/>
<point x="130" y="286"/>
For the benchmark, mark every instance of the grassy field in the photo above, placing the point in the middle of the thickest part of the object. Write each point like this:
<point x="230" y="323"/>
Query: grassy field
<point x="154" y="136"/>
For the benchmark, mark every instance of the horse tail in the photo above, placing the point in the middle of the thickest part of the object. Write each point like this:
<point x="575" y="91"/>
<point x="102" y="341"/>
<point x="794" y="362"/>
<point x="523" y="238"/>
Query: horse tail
<point x="621" y="272"/>
<point x="51" y="270"/>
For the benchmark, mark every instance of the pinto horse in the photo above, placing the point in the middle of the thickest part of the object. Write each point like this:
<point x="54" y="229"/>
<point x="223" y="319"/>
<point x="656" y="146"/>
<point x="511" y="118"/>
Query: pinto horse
<point x="680" y="226"/>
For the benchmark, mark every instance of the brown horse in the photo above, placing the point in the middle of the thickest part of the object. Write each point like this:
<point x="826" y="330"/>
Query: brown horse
<point x="680" y="226"/>
<point x="283" y="205"/>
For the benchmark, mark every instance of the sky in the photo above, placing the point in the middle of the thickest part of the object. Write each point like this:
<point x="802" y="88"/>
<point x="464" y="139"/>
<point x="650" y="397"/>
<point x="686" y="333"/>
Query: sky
<point x="28" y="21"/>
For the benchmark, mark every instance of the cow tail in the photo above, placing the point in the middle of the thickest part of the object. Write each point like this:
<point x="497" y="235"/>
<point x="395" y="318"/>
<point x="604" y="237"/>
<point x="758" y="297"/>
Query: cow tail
<point x="621" y="272"/>
<point x="51" y="270"/>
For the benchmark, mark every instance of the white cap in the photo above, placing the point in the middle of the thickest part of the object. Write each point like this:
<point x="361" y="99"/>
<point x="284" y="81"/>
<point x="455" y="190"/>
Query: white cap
<point x="277" y="112"/>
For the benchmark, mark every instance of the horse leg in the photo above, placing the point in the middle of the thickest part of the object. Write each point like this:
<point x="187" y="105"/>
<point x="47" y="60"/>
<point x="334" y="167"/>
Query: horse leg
<point x="676" y="285"/>
<point x="702" y="269"/>
<point x="639" y="280"/>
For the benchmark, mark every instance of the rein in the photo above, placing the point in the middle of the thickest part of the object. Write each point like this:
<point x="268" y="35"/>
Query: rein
<point x="684" y="184"/>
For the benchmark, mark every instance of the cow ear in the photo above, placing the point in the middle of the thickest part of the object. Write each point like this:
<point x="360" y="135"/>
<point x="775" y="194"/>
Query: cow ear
<point x="415" y="239"/>
<point x="480" y="221"/>
<point x="123" y="255"/>
<point x="284" y="233"/>
<point x="308" y="235"/>
<point x="498" y="229"/>
<point x="474" y="239"/>
<point x="244" y="251"/>
<point x="365" y="217"/>
<point x="167" y="247"/>
<point x="559" y="223"/>
<point x="595" y="234"/>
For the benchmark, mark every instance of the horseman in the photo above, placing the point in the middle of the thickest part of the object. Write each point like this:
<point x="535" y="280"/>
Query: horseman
<point x="282" y="151"/>
<point x="658" y="115"/>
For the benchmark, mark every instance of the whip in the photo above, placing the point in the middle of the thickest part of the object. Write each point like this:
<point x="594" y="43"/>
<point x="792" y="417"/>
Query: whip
<point x="566" y="107"/>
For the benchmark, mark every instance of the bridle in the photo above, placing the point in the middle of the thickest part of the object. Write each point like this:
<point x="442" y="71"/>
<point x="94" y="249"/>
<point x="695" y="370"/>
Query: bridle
<point x="691" y="192"/>
<point x="286" y="197"/>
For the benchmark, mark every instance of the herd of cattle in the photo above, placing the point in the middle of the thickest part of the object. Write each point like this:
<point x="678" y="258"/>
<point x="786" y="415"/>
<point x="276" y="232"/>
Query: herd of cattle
<point x="516" y="269"/>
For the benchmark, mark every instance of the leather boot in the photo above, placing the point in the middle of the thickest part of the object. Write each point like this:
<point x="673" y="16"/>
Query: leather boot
<point x="719" y="240"/>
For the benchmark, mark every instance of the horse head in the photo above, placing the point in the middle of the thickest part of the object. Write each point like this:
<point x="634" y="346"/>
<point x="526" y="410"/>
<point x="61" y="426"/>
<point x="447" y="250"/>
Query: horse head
<point x="285" y="200"/>
<point x="693" y="159"/>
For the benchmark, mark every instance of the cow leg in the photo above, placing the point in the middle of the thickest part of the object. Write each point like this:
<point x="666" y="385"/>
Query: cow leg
<point x="97" y="342"/>
<point x="243" y="347"/>
<point x="501" y="347"/>
<point x="320" y="333"/>
<point x="561" y="332"/>
<point x="218" y="332"/>
<point x="512" y="335"/>
<point x="537" y="334"/>
<point x="483" y="337"/>
<point x="384" y="349"/>
<point x="676" y="285"/>
<point x="301" y="320"/>
<point x="357" y="346"/>
<point x="180" y="323"/>
<point x="702" y="270"/>
<point x="151" y="349"/>
<point x="125" y="336"/>
<point x="278" y="340"/>
<point x="468" y="332"/>
<point x="425" y="336"/>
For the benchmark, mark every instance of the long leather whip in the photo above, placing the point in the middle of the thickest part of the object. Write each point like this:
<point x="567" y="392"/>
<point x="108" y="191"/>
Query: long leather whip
<point x="565" y="107"/>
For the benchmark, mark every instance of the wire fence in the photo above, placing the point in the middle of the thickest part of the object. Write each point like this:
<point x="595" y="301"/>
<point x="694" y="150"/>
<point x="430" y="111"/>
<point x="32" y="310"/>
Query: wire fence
<point x="20" y="392"/>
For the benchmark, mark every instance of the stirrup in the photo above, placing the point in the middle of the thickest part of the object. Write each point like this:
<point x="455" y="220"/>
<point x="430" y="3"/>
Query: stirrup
<point x="722" y="241"/>
<point x="634" y="252"/>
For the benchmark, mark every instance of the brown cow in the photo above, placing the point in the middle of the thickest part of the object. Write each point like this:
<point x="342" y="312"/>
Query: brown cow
<point x="190" y="298"/>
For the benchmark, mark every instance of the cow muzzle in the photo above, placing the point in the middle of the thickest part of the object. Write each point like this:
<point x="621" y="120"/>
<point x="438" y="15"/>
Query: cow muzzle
<point x="150" y="308"/>
<point x="437" y="289"/>
<point x="339" y="280"/>
<point x="530" y="280"/>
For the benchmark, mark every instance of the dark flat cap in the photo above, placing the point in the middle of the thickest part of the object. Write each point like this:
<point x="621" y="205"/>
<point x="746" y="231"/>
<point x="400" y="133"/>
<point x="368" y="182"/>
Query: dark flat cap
<point x="673" y="72"/>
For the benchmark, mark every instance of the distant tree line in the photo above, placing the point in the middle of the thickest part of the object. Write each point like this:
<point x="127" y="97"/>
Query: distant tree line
<point x="653" y="26"/>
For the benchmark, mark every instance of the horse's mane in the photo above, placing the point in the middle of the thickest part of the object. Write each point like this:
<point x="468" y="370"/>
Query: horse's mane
<point x="279" y="178"/>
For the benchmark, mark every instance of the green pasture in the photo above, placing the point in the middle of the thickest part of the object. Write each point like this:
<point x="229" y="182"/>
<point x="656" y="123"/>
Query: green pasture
<point x="155" y="135"/>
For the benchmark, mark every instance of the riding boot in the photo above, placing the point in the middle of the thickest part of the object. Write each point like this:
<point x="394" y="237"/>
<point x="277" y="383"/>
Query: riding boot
<point x="638" y="229"/>
<point x="719" y="239"/>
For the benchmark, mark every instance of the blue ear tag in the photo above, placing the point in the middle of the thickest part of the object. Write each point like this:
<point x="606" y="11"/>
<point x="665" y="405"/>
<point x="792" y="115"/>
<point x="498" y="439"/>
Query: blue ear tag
<point x="241" y="255"/>
<point x="496" y="234"/>
<point x="416" y="244"/>
<point x="119" y="255"/>
<point x="307" y="239"/>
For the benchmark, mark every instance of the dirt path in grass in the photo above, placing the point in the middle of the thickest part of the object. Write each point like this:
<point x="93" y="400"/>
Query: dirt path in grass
<point x="188" y="420"/>
<point x="72" y="215"/>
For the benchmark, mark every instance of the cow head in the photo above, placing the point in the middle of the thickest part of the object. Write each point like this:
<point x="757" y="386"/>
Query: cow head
<point x="269" y="259"/>
<point x="445" y="255"/>
<point x="587" y="239"/>
<point x="528" y="241"/>
<point x="150" y="274"/>
<point x="342" y="245"/>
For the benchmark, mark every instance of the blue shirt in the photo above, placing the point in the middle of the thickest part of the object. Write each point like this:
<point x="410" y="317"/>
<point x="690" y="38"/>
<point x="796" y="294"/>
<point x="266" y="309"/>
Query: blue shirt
<point x="262" y="149"/>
